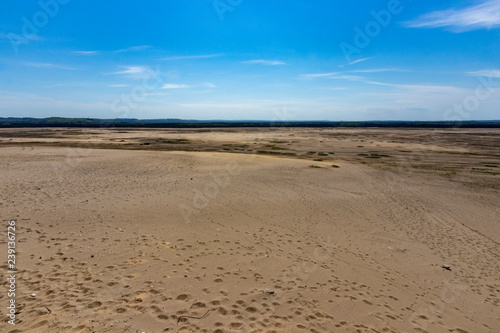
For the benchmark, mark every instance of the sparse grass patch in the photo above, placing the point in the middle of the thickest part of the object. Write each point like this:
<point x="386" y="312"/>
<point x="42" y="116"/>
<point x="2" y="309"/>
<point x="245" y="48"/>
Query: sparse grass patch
<point x="490" y="164"/>
<point x="377" y="155"/>
<point x="173" y="141"/>
<point x="318" y="159"/>
<point x="315" y="166"/>
<point x="275" y="153"/>
<point x="335" y="166"/>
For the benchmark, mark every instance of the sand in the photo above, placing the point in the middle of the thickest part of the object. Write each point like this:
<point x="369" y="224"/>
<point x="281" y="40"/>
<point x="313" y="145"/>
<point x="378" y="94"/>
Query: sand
<point x="150" y="238"/>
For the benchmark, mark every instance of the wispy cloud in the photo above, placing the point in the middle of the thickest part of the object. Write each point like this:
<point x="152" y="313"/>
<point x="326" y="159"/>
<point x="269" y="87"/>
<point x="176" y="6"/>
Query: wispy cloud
<point x="48" y="65"/>
<point x="134" y="48"/>
<point x="334" y="75"/>
<point x="265" y="62"/>
<point x="208" y="85"/>
<point x="347" y="76"/>
<point x="10" y="37"/>
<point x="188" y="57"/>
<point x="219" y="106"/>
<point x="174" y="86"/>
<point x="484" y="15"/>
<point x="131" y="70"/>
<point x="379" y="70"/>
<point x="431" y="89"/>
<point x="319" y="75"/>
<point x="119" y="85"/>
<point x="359" y="60"/>
<point x="87" y="52"/>
<point x="486" y="72"/>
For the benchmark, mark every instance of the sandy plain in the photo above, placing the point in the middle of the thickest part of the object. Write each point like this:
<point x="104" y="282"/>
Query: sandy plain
<point x="252" y="230"/>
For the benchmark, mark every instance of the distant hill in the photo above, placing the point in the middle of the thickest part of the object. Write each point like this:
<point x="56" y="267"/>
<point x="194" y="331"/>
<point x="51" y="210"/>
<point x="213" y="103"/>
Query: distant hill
<point x="13" y="122"/>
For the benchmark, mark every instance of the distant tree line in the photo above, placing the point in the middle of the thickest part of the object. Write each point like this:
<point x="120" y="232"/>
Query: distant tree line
<point x="12" y="122"/>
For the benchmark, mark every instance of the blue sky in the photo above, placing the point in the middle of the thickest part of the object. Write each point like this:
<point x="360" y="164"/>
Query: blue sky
<point x="251" y="59"/>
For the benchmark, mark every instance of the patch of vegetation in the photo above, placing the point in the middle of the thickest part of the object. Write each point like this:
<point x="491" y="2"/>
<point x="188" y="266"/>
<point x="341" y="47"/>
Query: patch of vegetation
<point x="373" y="155"/>
<point x="318" y="159"/>
<point x="486" y="171"/>
<point x="311" y="152"/>
<point x="275" y="153"/>
<point x="274" y="147"/>
<point x="315" y="166"/>
<point x="322" y="154"/>
<point x="335" y="166"/>
<point x="173" y="141"/>
<point x="361" y="146"/>
<point x="363" y="155"/>
<point x="490" y="164"/>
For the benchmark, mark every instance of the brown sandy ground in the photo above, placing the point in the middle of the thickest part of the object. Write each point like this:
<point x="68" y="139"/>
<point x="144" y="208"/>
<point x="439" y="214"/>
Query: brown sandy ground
<point x="122" y="240"/>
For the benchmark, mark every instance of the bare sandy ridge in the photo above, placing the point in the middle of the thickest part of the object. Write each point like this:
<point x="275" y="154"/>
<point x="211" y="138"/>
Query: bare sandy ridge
<point x="148" y="241"/>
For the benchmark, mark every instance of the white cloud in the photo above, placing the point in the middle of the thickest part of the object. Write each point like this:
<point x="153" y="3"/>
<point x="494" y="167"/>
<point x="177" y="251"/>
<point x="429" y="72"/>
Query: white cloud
<point x="219" y="106"/>
<point x="265" y="62"/>
<point x="345" y="75"/>
<point x="319" y="75"/>
<point x="86" y="52"/>
<point x="208" y="85"/>
<point x="13" y="36"/>
<point x="378" y="70"/>
<point x="484" y="15"/>
<point x="334" y="75"/>
<point x="47" y="65"/>
<point x="422" y="88"/>
<point x="119" y="85"/>
<point x="174" y="86"/>
<point x="430" y="89"/>
<point x="359" y="60"/>
<point x="134" y="48"/>
<point x="187" y="57"/>
<point x="487" y="73"/>
<point x="132" y="70"/>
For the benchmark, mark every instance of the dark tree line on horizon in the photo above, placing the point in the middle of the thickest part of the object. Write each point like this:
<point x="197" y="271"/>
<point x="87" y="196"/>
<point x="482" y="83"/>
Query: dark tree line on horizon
<point x="13" y="122"/>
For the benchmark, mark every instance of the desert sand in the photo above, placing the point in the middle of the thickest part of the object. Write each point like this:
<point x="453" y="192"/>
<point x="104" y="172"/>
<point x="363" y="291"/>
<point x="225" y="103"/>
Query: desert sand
<point x="252" y="230"/>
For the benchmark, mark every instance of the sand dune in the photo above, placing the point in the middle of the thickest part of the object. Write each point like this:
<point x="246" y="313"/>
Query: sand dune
<point x="158" y="241"/>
